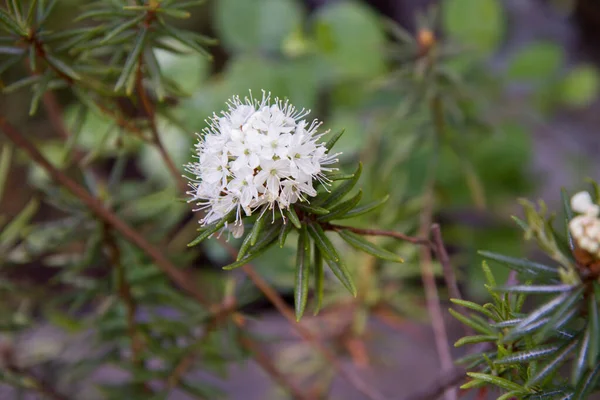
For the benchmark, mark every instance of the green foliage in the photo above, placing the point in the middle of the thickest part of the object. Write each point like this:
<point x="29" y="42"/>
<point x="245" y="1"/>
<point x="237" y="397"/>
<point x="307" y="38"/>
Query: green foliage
<point x="526" y="349"/>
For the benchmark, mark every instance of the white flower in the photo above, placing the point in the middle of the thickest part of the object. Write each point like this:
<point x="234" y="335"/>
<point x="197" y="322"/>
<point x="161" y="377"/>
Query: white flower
<point x="585" y="228"/>
<point x="257" y="154"/>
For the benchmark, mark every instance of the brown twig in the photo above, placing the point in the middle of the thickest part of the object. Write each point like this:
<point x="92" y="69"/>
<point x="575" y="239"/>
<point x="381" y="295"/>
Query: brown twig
<point x="427" y="275"/>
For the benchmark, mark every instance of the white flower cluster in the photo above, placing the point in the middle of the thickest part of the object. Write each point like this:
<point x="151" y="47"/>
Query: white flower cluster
<point x="257" y="153"/>
<point x="585" y="228"/>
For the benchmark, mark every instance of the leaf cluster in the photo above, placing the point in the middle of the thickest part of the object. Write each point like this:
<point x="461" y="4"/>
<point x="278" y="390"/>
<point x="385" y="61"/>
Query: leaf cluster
<point x="527" y="350"/>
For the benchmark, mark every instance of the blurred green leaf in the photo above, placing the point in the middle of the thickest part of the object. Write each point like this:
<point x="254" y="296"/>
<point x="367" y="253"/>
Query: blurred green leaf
<point x="256" y="25"/>
<point x="537" y="62"/>
<point x="580" y="86"/>
<point x="476" y="23"/>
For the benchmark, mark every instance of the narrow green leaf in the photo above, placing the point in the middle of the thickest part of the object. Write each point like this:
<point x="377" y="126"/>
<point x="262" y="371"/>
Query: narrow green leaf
<point x="475" y="339"/>
<point x="587" y="384"/>
<point x="175" y="13"/>
<point x="323" y="242"/>
<point x="342" y="190"/>
<point x="268" y="238"/>
<point x="539" y="313"/>
<point x="559" y="358"/>
<point x="246" y="243"/>
<point x="569" y="303"/>
<point x="526" y="356"/>
<point x="15" y="8"/>
<point x="62" y="67"/>
<point x="131" y="62"/>
<point x="483" y="329"/>
<point x="566" y="204"/>
<point x="10" y="24"/>
<point x="341" y="209"/>
<point x="186" y="4"/>
<point x="319" y="275"/>
<point x="594" y="328"/>
<point x="312" y="209"/>
<point x="155" y="74"/>
<point x="184" y="38"/>
<point x="44" y="12"/>
<point x="9" y="62"/>
<point x="302" y="273"/>
<point x="496" y="380"/>
<point x="474" y="307"/>
<point x="121" y="28"/>
<point x="209" y="230"/>
<point x="365" y="208"/>
<point x="362" y="244"/>
<point x="291" y="214"/>
<point x="28" y="81"/>
<point x="332" y="257"/>
<point x="340" y="177"/>
<point x="520" y="265"/>
<point x="489" y="276"/>
<point x="258" y="227"/>
<point x="31" y="12"/>
<point x="540" y="289"/>
<point x="340" y="270"/>
<point x="333" y="140"/>
<point x="32" y="58"/>
<point x="38" y="91"/>
<point x="283" y="234"/>
<point x="101" y="14"/>
<point x="580" y="363"/>
<point x="507" y="323"/>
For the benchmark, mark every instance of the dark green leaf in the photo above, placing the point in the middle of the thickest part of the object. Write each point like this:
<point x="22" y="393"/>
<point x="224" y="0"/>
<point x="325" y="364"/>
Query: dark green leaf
<point x="62" y="67"/>
<point x="332" y="257"/>
<point x="101" y="14"/>
<point x="268" y="238"/>
<point x="319" y="274"/>
<point x="285" y="230"/>
<point x="331" y="142"/>
<point x="362" y="244"/>
<point x="11" y="50"/>
<point x="175" y="13"/>
<point x="31" y="12"/>
<point x="520" y="265"/>
<point x="569" y="303"/>
<point x="129" y="69"/>
<point x="560" y="357"/>
<point x="364" y="209"/>
<point x="302" y="273"/>
<point x="121" y="28"/>
<point x="209" y="230"/>
<point x="30" y="80"/>
<point x="15" y="8"/>
<point x="340" y="177"/>
<point x="587" y="384"/>
<point x="8" y="22"/>
<point x="258" y="227"/>
<point x="342" y="190"/>
<point x="154" y="72"/>
<point x="341" y="209"/>
<point x="580" y="363"/>
<point x="185" y="38"/>
<point x="44" y="12"/>
<point x="246" y="243"/>
<point x="291" y="214"/>
<point x="312" y="209"/>
<point x="186" y="4"/>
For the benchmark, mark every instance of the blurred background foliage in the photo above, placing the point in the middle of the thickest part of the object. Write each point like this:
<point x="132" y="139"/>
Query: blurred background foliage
<point x="357" y="71"/>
